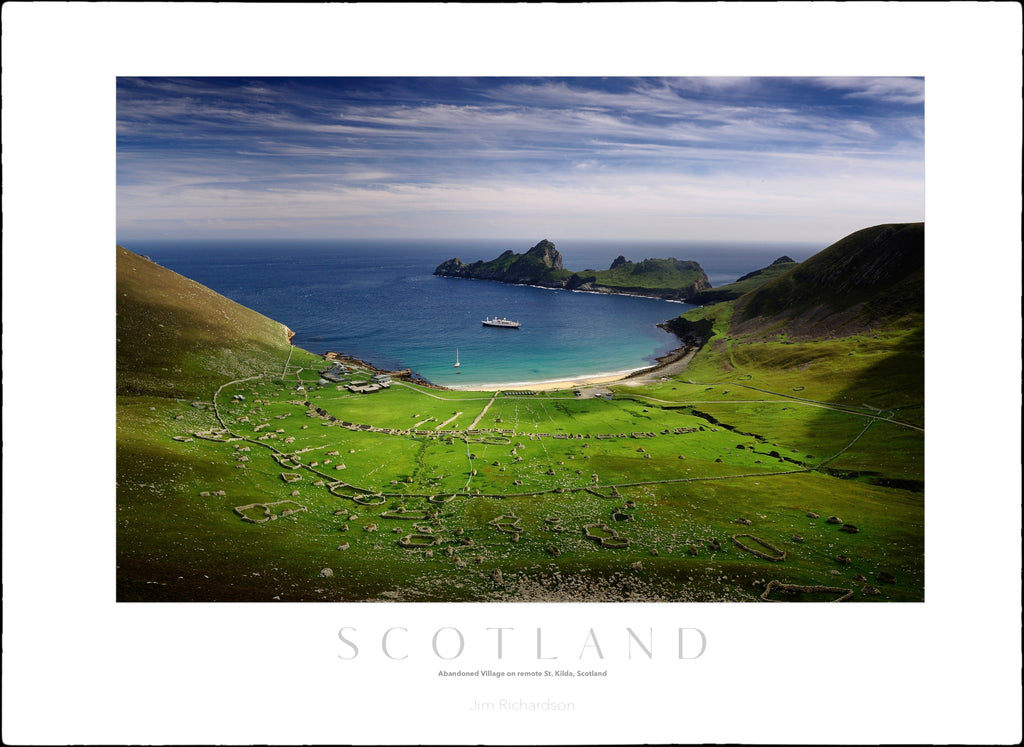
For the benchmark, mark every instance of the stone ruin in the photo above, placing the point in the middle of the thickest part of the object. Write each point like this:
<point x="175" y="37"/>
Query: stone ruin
<point x="269" y="511"/>
<point x="778" y="586"/>
<point x="611" y="540"/>
<point x="780" y="555"/>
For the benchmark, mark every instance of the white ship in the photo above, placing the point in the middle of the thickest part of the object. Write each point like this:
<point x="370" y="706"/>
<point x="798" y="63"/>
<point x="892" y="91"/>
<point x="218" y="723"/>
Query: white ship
<point x="503" y="322"/>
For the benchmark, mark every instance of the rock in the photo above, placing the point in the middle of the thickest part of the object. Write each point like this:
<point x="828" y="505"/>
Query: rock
<point x="833" y="520"/>
<point x="744" y="522"/>
<point x="886" y="578"/>
<point x="870" y="590"/>
<point x="326" y="573"/>
<point x="343" y="546"/>
<point x="843" y="559"/>
<point x="797" y="538"/>
<point x="811" y="515"/>
<point x="637" y="566"/>
<point x="849" y="528"/>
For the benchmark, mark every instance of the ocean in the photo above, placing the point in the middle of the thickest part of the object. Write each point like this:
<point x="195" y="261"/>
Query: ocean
<point x="378" y="301"/>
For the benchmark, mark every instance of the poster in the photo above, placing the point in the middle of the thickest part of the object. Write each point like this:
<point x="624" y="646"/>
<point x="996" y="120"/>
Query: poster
<point x="81" y="668"/>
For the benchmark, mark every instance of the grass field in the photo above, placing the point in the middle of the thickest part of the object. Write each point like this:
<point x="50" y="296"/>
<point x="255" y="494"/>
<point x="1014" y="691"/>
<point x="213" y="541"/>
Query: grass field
<point x="673" y="468"/>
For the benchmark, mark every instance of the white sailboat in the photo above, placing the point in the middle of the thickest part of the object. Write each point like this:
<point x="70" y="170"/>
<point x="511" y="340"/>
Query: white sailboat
<point x="457" y="358"/>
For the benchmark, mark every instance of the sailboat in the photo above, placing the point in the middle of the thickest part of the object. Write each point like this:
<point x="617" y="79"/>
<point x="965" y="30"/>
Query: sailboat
<point x="457" y="364"/>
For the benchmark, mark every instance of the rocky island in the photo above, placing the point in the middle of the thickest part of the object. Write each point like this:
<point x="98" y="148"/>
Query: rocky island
<point x="542" y="265"/>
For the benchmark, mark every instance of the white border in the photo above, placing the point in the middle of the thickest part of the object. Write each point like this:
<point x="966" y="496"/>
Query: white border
<point x="79" y="668"/>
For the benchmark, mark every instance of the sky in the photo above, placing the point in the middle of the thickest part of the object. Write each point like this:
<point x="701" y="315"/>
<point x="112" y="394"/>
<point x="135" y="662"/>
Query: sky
<point x="774" y="159"/>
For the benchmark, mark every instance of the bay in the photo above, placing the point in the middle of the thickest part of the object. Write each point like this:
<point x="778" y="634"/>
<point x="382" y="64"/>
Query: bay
<point x="378" y="300"/>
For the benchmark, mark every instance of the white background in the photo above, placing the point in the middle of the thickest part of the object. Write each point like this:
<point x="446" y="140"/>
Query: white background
<point x="77" y="667"/>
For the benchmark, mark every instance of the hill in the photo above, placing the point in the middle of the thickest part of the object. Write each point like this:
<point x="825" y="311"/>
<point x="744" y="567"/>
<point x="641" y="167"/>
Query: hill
<point x="745" y="284"/>
<point x="542" y="265"/>
<point x="849" y="319"/>
<point x="865" y="279"/>
<point x="665" y="278"/>
<point x="177" y="338"/>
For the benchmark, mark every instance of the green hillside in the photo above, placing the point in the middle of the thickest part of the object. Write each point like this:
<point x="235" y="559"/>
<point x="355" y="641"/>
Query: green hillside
<point x="865" y="279"/>
<point x="668" y="277"/>
<point x="177" y="338"/>
<point x="540" y="265"/>
<point x="745" y="284"/>
<point x="846" y="324"/>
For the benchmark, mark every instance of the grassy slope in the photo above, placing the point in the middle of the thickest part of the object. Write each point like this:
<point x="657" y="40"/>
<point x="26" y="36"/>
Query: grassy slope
<point x="177" y="338"/>
<point x="650" y="274"/>
<point x="872" y="358"/>
<point x="177" y="341"/>
<point x="872" y="276"/>
<point x="733" y="291"/>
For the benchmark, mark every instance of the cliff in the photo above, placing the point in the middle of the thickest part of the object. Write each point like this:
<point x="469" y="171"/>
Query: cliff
<point x="542" y="265"/>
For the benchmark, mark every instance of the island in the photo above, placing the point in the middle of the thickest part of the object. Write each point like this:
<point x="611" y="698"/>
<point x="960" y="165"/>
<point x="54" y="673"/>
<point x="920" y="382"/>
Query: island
<point x="678" y="280"/>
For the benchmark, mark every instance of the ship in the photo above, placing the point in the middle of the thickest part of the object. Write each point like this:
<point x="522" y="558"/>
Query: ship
<point x="503" y="322"/>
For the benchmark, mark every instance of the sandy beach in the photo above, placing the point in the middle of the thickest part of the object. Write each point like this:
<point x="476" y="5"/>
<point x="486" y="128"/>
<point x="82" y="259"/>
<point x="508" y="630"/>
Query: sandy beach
<point x="671" y="364"/>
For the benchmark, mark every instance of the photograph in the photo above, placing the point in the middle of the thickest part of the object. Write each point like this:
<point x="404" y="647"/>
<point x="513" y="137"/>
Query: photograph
<point x="341" y="377"/>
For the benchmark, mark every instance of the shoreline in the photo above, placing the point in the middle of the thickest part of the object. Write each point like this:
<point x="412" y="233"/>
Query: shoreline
<point x="671" y="363"/>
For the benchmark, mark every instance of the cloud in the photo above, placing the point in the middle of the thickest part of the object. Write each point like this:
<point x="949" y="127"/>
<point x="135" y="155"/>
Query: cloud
<point x="357" y="155"/>
<point x="891" y="90"/>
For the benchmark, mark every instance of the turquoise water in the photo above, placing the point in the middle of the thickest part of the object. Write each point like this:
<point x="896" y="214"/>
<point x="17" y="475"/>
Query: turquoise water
<point x="379" y="301"/>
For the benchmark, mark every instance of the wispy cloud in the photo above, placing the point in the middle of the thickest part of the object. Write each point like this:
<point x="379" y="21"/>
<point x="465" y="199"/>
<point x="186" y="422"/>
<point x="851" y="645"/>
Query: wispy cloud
<point x="361" y="154"/>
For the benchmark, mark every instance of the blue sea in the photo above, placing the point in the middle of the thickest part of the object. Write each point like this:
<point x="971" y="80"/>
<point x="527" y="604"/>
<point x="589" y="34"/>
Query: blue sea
<point x="378" y="301"/>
